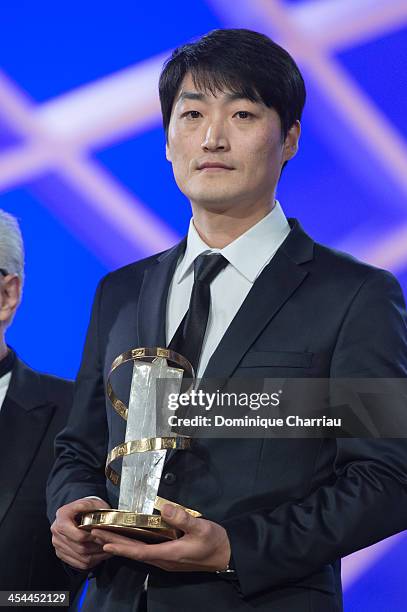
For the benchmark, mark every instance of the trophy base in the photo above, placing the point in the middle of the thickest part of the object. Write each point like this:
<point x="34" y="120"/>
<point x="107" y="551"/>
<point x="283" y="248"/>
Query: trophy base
<point x="149" y="528"/>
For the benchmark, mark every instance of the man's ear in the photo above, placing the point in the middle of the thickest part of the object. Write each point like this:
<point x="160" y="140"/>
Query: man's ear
<point x="167" y="151"/>
<point x="291" y="141"/>
<point x="10" y="296"/>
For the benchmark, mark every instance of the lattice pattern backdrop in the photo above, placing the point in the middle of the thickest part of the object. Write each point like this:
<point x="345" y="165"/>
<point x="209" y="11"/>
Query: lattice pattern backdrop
<point x="82" y="160"/>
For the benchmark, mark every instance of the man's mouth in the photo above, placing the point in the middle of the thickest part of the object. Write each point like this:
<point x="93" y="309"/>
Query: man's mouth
<point x="214" y="166"/>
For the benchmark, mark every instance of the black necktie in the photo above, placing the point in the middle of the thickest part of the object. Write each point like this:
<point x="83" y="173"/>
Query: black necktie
<point x="189" y="337"/>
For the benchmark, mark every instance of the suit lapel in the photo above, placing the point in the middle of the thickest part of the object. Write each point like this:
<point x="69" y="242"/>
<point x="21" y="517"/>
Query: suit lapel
<point x="275" y="285"/>
<point x="24" y="419"/>
<point x="152" y="303"/>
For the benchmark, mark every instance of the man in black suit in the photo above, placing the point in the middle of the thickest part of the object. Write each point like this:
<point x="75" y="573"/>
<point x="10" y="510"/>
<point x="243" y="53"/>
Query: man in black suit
<point x="279" y="513"/>
<point x="34" y="408"/>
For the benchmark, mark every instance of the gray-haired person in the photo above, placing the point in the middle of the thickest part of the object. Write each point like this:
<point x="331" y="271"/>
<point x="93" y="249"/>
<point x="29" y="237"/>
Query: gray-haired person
<point x="33" y="408"/>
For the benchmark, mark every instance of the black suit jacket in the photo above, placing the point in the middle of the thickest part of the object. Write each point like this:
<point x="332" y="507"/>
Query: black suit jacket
<point x="292" y="507"/>
<point x="35" y="409"/>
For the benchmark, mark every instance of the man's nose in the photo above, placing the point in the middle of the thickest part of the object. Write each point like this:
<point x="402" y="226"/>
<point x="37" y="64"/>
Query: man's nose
<point x="215" y="138"/>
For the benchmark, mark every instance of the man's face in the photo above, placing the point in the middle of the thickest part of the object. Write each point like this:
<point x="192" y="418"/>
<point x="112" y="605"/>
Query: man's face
<point x="10" y="295"/>
<point x="226" y="151"/>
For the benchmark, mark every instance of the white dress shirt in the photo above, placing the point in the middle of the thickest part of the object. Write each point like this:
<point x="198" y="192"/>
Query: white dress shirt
<point x="4" y="385"/>
<point x="247" y="256"/>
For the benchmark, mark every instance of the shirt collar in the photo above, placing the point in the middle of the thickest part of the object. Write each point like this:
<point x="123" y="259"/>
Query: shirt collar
<point x="249" y="253"/>
<point x="7" y="363"/>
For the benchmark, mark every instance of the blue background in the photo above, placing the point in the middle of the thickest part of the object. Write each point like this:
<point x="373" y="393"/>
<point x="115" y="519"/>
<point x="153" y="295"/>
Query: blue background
<point x="336" y="187"/>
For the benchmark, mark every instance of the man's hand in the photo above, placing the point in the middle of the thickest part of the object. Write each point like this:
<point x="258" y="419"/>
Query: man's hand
<point x="204" y="547"/>
<point x="72" y="545"/>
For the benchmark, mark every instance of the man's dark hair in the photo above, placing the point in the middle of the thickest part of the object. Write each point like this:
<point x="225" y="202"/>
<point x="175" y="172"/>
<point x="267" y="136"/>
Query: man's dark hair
<point x="241" y="61"/>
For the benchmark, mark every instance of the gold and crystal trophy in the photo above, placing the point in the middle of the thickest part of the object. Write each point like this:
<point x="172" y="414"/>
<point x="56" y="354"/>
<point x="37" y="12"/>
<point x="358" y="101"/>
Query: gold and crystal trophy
<point x="148" y="437"/>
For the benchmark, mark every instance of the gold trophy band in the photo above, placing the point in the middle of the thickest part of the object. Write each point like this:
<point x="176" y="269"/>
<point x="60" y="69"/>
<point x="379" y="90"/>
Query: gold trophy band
<point x="147" y="527"/>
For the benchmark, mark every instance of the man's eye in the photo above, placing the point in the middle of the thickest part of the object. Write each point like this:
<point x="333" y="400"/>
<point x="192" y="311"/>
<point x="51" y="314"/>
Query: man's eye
<point x="192" y="114"/>
<point x="244" y="115"/>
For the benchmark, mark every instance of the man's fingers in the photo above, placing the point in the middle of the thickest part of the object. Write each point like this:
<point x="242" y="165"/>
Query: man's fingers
<point x="148" y="553"/>
<point x="69" y="511"/>
<point x="204" y="547"/>
<point x="120" y="545"/>
<point x="80" y="548"/>
<point x="133" y="549"/>
<point x="69" y="529"/>
<point x="77" y="556"/>
<point x="80" y="562"/>
<point x="179" y="518"/>
<point x="72" y="561"/>
<point x="66" y="549"/>
<point x="66" y="519"/>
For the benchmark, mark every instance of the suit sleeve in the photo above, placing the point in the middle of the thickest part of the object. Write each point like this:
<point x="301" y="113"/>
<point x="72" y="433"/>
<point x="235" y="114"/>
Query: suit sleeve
<point x="367" y="500"/>
<point x="81" y="447"/>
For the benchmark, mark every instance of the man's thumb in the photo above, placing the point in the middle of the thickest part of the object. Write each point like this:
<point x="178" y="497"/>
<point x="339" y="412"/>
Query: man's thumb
<point x="178" y="517"/>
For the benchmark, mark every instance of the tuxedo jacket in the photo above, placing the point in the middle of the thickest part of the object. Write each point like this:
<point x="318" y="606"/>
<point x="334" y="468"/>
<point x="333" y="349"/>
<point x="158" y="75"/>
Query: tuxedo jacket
<point x="34" y="410"/>
<point x="291" y="507"/>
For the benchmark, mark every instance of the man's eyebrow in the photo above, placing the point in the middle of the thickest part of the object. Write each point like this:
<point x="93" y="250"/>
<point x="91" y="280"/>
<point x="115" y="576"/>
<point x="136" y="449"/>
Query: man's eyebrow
<point x="195" y="95"/>
<point x="191" y="95"/>
<point x="238" y="96"/>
